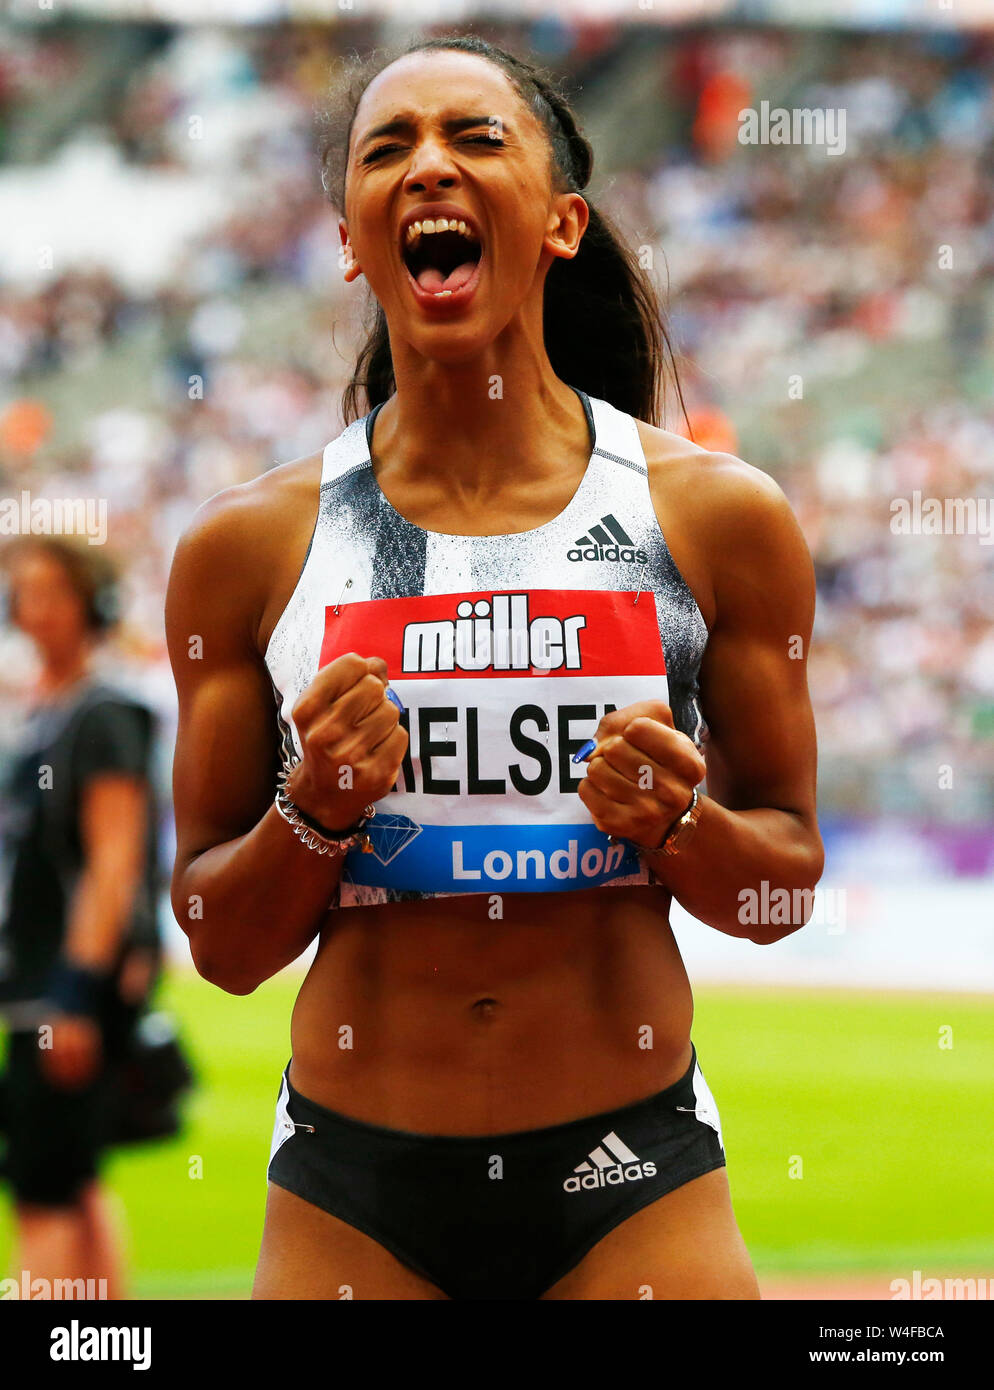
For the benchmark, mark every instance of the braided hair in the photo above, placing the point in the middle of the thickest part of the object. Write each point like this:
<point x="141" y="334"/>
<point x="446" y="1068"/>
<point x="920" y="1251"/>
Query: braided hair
<point x="603" y="324"/>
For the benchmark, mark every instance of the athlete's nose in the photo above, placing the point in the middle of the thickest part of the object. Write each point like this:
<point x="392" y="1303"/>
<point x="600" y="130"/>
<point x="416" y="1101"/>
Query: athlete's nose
<point x="431" y="167"/>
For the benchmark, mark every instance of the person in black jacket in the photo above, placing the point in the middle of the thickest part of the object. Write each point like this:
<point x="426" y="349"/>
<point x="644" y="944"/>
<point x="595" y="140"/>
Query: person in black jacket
<point x="78" y="938"/>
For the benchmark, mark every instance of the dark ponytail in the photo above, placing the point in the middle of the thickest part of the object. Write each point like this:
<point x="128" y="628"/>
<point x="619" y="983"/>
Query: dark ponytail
<point x="603" y="323"/>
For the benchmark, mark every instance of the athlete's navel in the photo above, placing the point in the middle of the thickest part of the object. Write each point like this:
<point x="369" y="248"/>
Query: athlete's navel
<point x="485" y="1009"/>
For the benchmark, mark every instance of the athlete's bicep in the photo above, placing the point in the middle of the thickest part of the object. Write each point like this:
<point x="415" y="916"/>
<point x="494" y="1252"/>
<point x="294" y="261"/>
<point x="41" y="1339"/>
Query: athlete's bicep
<point x="761" y="751"/>
<point x="226" y="743"/>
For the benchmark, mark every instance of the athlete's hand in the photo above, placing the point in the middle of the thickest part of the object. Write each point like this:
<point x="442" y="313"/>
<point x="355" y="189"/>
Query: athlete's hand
<point x="352" y="741"/>
<point x="73" y="1055"/>
<point x="642" y="774"/>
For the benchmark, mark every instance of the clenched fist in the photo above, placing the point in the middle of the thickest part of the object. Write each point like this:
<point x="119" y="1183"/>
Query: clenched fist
<point x="352" y="741"/>
<point x="642" y="774"/>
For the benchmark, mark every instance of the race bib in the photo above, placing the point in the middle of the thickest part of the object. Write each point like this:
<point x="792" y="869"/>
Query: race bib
<point x="500" y="691"/>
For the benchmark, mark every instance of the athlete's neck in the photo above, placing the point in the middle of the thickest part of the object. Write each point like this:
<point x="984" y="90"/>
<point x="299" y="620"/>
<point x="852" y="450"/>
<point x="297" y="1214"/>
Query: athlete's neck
<point x="480" y="433"/>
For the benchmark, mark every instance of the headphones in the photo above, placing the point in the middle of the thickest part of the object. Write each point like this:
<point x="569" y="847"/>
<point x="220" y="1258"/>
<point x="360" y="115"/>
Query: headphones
<point x="104" y="607"/>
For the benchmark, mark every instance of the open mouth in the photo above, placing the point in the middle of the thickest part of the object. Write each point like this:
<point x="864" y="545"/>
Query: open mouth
<point x="442" y="255"/>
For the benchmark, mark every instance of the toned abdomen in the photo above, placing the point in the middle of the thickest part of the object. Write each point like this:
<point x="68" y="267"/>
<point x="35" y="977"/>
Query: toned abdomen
<point x="438" y="1018"/>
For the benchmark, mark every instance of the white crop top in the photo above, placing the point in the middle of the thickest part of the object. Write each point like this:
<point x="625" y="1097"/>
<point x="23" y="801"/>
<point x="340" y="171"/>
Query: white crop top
<point x="506" y="651"/>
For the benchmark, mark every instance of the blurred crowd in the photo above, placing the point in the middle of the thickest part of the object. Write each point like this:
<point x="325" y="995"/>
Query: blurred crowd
<point x="831" y="316"/>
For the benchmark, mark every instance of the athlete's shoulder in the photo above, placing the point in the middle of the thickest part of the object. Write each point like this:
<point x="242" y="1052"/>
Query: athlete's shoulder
<point x="722" y="480"/>
<point x="738" y="514"/>
<point x="733" y="499"/>
<point x="239" y="540"/>
<point x="248" y="511"/>
<point x="236" y="537"/>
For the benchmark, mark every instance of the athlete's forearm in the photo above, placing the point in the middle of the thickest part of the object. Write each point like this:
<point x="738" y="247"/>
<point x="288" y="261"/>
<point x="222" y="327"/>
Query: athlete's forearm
<point x="250" y="906"/>
<point x="736" y="867"/>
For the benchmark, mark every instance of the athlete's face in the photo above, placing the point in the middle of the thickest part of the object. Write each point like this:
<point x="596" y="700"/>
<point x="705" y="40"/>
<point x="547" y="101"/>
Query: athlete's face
<point x="444" y="135"/>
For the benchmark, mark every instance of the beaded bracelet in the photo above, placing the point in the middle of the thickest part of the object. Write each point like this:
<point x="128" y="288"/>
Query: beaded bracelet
<point x="313" y="834"/>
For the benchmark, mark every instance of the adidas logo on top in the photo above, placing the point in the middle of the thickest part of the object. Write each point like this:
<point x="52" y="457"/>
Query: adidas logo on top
<point x="610" y="1163"/>
<point x="608" y="540"/>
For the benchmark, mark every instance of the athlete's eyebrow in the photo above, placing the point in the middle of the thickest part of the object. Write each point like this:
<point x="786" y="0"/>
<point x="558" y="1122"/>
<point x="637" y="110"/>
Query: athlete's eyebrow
<point x="402" y="125"/>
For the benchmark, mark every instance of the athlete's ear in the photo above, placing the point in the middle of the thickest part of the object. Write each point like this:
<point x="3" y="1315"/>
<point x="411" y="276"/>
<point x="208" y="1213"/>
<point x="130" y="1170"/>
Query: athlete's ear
<point x="568" y="218"/>
<point x="350" y="266"/>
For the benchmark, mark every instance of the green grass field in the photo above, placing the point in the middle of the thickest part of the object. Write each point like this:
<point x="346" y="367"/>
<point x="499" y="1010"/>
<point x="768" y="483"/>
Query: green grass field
<point x="895" y="1134"/>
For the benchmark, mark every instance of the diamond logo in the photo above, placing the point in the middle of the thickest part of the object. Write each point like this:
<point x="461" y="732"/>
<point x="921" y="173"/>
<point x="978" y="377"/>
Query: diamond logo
<point x="389" y="834"/>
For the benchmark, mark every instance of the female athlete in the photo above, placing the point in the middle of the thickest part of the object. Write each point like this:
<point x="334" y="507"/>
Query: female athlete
<point x="394" y="659"/>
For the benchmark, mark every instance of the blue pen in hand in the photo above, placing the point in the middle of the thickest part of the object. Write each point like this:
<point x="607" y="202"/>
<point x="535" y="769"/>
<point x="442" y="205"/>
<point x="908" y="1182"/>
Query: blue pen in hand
<point x="584" y="751"/>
